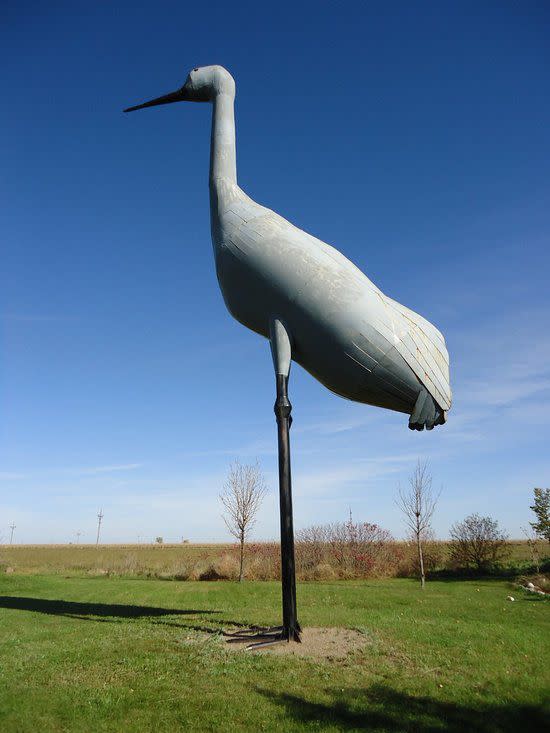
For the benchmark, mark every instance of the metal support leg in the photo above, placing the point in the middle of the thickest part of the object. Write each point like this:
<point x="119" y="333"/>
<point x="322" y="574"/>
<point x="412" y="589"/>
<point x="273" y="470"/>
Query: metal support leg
<point x="283" y="408"/>
<point x="290" y="630"/>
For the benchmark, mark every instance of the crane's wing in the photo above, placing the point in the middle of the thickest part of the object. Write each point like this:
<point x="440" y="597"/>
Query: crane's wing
<point x="423" y="348"/>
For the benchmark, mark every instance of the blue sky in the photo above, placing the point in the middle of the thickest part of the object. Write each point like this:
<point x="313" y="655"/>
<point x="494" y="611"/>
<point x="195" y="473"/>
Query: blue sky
<point x="414" y="139"/>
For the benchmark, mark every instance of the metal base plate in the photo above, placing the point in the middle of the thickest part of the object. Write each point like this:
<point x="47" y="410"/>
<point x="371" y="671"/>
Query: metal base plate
<point x="257" y="637"/>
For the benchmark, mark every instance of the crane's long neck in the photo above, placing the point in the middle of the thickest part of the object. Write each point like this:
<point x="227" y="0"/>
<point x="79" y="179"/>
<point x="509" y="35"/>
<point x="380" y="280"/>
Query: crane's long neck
<point x="223" y="158"/>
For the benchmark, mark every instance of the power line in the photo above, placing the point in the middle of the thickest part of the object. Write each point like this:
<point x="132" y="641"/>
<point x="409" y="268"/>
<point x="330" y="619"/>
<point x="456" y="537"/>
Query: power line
<point x="99" y="520"/>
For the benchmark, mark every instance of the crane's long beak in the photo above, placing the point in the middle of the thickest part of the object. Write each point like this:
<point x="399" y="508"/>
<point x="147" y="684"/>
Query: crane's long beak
<point x="180" y="95"/>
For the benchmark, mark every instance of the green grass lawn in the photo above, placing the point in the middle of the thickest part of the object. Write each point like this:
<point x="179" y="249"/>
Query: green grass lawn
<point x="121" y="654"/>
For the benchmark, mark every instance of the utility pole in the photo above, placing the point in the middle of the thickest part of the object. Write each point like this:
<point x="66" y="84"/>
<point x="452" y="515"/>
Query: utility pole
<point x="99" y="518"/>
<point x="12" y="527"/>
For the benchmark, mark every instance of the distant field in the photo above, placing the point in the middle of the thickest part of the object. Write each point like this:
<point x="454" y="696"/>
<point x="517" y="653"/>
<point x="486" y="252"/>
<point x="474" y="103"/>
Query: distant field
<point x="113" y="654"/>
<point x="174" y="560"/>
<point x="118" y="559"/>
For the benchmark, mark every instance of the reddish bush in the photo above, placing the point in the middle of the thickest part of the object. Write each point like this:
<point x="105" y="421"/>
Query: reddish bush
<point x="263" y="561"/>
<point x="353" y="550"/>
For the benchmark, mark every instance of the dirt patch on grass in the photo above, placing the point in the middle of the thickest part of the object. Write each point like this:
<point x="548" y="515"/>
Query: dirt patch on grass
<point x="317" y="643"/>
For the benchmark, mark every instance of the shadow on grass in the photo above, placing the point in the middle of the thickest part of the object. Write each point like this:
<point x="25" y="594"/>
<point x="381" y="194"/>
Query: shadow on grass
<point x="380" y="708"/>
<point x="535" y="598"/>
<point x="499" y="571"/>
<point x="114" y="612"/>
<point x="84" y="610"/>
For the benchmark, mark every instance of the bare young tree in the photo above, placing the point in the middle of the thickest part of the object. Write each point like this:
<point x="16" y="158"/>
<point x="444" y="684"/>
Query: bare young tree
<point x="418" y="504"/>
<point x="241" y="497"/>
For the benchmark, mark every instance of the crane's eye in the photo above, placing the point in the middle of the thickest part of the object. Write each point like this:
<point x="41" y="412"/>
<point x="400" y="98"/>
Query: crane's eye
<point x="196" y="69"/>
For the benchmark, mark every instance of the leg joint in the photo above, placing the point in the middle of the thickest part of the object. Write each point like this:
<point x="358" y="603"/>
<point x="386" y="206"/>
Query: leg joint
<point x="282" y="407"/>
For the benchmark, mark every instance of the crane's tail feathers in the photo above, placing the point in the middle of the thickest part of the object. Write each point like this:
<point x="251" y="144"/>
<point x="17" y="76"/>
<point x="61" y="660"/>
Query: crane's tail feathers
<point x="426" y="413"/>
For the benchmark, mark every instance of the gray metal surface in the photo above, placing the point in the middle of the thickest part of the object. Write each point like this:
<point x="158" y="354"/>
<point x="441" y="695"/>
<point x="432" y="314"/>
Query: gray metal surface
<point x="342" y="329"/>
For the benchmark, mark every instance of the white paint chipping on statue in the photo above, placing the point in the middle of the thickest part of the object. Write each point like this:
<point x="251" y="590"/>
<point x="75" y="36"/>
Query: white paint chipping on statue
<point x="353" y="338"/>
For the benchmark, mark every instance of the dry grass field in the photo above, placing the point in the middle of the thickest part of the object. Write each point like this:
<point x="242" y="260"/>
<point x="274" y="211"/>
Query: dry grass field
<point x="146" y="560"/>
<point x="189" y="561"/>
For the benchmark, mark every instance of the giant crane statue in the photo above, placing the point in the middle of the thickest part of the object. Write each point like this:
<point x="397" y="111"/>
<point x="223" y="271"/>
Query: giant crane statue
<point x="315" y="307"/>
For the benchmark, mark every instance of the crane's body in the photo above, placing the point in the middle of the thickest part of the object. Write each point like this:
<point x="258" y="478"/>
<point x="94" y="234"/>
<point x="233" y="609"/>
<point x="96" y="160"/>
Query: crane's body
<point x="349" y="335"/>
<point x="314" y="306"/>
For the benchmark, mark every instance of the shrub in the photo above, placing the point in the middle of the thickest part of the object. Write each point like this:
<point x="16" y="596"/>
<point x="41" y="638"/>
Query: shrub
<point x="324" y="571"/>
<point x="227" y="566"/>
<point x="264" y="561"/>
<point x="129" y="564"/>
<point x="178" y="571"/>
<point x="477" y="542"/>
<point x="352" y="550"/>
<point x="210" y="573"/>
<point x="224" y="568"/>
<point x="312" y="550"/>
<point x="408" y="561"/>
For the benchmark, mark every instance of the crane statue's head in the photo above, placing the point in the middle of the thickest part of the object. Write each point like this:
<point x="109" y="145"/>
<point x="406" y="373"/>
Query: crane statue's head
<point x="203" y="84"/>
